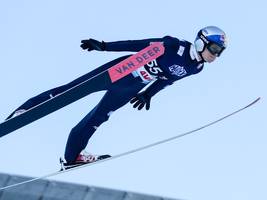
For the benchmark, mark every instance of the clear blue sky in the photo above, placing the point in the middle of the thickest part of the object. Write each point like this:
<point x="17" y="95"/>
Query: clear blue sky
<point x="40" y="50"/>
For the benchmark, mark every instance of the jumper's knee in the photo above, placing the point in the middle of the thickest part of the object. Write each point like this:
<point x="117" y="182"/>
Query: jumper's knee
<point x="92" y="120"/>
<point x="101" y="118"/>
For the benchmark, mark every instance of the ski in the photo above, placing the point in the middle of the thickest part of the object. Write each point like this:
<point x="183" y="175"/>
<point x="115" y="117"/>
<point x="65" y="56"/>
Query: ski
<point x="99" y="82"/>
<point x="134" y="150"/>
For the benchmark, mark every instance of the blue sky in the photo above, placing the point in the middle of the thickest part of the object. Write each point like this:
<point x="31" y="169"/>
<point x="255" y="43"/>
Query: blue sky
<point x="40" y="50"/>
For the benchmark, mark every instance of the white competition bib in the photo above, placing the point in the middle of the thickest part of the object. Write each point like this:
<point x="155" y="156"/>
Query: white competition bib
<point x="144" y="75"/>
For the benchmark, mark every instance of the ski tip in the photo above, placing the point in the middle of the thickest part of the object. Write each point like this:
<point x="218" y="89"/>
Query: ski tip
<point x="256" y="100"/>
<point x="253" y="102"/>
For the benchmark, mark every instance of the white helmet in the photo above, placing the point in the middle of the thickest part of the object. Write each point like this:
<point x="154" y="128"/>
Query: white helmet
<point x="212" y="38"/>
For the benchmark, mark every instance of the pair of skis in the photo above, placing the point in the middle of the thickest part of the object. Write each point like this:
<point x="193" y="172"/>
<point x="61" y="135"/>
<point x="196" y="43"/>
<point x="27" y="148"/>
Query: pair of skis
<point x="133" y="150"/>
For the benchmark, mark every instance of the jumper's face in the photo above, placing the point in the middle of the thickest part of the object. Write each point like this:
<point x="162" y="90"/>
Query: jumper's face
<point x="207" y="56"/>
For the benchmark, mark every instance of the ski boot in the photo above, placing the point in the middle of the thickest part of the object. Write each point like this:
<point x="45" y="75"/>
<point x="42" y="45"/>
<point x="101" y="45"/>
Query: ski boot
<point x="82" y="159"/>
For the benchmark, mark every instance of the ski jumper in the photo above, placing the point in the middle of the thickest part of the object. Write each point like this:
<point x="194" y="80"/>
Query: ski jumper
<point x="179" y="60"/>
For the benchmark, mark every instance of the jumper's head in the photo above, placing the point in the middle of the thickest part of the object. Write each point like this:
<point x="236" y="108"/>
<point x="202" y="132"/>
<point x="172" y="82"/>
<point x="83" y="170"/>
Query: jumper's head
<point x="210" y="42"/>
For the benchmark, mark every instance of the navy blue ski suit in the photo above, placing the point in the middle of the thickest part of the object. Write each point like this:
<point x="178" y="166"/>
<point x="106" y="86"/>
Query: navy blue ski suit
<point x="179" y="60"/>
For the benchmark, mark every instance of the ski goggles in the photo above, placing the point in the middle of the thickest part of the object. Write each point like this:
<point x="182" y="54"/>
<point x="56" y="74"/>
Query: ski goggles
<point x="215" y="49"/>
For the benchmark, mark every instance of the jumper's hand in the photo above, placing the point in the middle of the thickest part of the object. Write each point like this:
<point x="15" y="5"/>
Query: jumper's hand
<point x="141" y="100"/>
<point x="92" y="44"/>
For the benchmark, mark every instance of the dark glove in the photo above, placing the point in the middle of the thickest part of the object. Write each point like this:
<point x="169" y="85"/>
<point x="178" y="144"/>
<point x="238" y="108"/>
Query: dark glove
<point x="141" y="100"/>
<point x="92" y="44"/>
